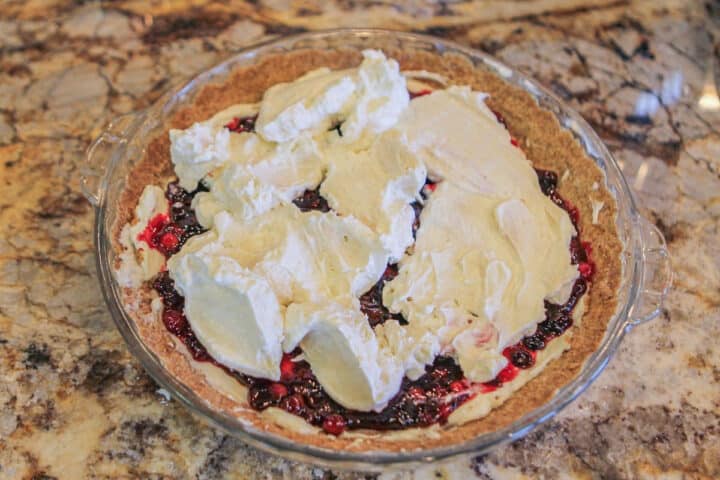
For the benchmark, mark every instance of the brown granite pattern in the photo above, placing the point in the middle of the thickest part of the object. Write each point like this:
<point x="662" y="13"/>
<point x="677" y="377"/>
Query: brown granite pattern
<point x="74" y="404"/>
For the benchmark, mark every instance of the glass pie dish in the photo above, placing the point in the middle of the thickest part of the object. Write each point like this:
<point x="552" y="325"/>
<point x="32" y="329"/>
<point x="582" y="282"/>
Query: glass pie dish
<point x="645" y="277"/>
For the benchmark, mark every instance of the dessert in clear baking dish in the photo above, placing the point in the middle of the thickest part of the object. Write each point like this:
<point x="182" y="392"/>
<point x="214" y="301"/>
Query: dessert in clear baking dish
<point x="363" y="249"/>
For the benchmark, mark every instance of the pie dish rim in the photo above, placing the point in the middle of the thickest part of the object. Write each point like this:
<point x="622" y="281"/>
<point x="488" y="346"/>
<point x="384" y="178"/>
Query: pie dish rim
<point x="643" y="239"/>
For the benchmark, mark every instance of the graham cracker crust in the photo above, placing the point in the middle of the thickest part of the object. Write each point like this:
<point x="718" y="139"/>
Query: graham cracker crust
<point x="545" y="143"/>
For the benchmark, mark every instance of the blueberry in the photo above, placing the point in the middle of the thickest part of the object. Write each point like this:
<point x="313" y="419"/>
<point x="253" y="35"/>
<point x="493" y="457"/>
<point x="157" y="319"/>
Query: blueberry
<point x="564" y="322"/>
<point x="521" y="358"/>
<point x="550" y="329"/>
<point x="548" y="180"/>
<point x="259" y="396"/>
<point x="535" y="341"/>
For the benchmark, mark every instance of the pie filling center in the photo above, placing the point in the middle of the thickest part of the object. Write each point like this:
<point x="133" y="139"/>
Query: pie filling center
<point x="429" y="391"/>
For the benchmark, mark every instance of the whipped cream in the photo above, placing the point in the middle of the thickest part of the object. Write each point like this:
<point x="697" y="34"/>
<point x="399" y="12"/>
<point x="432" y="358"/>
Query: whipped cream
<point x="368" y="99"/>
<point x="235" y="314"/>
<point x="475" y="277"/>
<point x="267" y="278"/>
<point x="198" y="150"/>
<point x="460" y="141"/>
<point x="377" y="186"/>
<point x="259" y="176"/>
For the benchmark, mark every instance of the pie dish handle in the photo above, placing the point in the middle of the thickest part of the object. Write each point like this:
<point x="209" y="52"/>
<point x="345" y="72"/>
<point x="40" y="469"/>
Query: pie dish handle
<point x="101" y="152"/>
<point x="657" y="275"/>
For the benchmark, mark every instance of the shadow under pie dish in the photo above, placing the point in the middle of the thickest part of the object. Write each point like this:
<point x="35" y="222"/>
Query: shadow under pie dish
<point x="429" y="407"/>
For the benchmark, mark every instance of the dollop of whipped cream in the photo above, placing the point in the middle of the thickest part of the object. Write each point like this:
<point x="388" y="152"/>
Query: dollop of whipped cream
<point x="266" y="278"/>
<point x="491" y="246"/>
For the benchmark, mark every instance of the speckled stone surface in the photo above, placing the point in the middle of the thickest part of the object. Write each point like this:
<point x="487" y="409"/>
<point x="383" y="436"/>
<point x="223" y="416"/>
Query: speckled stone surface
<point x="75" y="405"/>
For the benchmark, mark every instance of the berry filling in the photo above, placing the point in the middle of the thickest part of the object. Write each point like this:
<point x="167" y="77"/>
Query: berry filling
<point x="312" y="200"/>
<point x="241" y="124"/>
<point x="500" y="118"/>
<point x="426" y="401"/>
<point x="371" y="303"/>
<point x="167" y="233"/>
<point x="419" y="93"/>
<point x="419" y="403"/>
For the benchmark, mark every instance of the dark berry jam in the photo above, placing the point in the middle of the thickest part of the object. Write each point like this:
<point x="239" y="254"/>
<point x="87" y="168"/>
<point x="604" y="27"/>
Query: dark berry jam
<point x="535" y="341"/>
<point x="426" y="401"/>
<point x="571" y="209"/>
<point x="312" y="200"/>
<point x="371" y="303"/>
<point x="420" y="93"/>
<point x="428" y="189"/>
<point x="417" y="207"/>
<point x="580" y="253"/>
<point x="423" y="402"/>
<point x="548" y="181"/>
<point x="242" y="124"/>
<point x="520" y="357"/>
<point x="499" y="117"/>
<point x="167" y="233"/>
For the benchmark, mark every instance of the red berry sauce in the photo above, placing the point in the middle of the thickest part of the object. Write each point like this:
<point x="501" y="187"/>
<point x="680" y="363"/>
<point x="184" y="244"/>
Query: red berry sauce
<point x="420" y="93"/>
<point x="422" y="402"/>
<point x="155" y="230"/>
<point x="167" y="233"/>
<point x="312" y="200"/>
<point x="242" y="124"/>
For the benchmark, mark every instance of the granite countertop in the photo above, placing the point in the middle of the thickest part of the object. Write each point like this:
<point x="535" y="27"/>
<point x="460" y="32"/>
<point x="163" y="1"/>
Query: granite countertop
<point x="73" y="402"/>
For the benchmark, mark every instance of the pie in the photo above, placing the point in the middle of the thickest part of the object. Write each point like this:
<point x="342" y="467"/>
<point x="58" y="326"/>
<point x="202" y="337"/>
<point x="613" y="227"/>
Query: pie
<point x="388" y="250"/>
